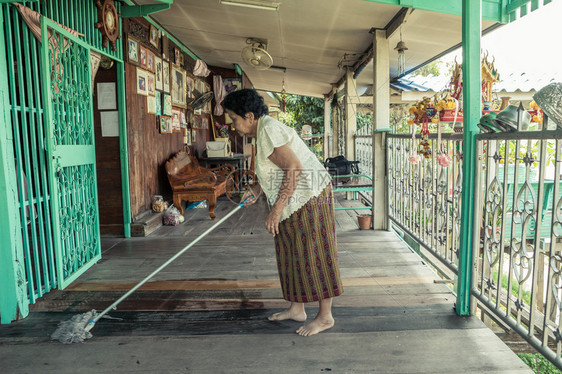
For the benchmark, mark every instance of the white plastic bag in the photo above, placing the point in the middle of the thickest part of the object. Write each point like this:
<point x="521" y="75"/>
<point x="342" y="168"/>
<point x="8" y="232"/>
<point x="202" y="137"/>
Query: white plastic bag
<point x="172" y="216"/>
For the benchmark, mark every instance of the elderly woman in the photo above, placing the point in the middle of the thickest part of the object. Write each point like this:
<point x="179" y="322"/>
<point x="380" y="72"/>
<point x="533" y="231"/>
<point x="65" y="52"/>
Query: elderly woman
<point x="301" y="218"/>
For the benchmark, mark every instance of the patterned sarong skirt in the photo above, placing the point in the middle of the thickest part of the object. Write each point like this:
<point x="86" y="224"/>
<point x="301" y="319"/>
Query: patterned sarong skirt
<point x="307" y="251"/>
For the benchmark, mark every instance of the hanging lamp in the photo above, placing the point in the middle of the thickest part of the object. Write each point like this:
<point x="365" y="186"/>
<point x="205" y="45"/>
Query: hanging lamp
<point x="401" y="49"/>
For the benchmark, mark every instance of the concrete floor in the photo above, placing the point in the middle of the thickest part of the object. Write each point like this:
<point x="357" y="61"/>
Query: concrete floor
<point x="207" y="312"/>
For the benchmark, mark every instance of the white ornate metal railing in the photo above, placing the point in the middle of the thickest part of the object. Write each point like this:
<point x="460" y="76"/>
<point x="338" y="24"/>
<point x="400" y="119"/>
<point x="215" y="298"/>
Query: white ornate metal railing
<point x="424" y="197"/>
<point x="518" y="259"/>
<point x="517" y="256"/>
<point x="364" y="154"/>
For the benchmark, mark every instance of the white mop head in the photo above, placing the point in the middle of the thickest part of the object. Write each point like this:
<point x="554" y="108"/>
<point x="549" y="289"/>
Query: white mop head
<point x="75" y="330"/>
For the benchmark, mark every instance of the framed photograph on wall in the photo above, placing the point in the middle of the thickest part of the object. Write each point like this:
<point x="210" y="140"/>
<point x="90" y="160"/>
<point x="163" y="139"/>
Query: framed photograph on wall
<point x="143" y="55"/>
<point x="165" y="48"/>
<point x="151" y="104"/>
<point x="178" y="86"/>
<point x="190" y="118"/>
<point x="168" y="125"/>
<point x="193" y="136"/>
<point x="177" y="54"/>
<point x="176" y="120"/>
<point x="187" y="136"/>
<point x="204" y="122"/>
<point x="153" y="36"/>
<point x="133" y="50"/>
<point x="166" y="105"/>
<point x="158" y="72"/>
<point x="150" y="61"/>
<point x="151" y="84"/>
<point x="158" y="98"/>
<point x="166" y="77"/>
<point x="232" y="84"/>
<point x="190" y="87"/>
<point x="163" y="129"/>
<point x="183" y="121"/>
<point x="142" y="84"/>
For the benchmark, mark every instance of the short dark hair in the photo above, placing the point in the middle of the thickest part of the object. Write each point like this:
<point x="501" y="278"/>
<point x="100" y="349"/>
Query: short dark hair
<point x="245" y="101"/>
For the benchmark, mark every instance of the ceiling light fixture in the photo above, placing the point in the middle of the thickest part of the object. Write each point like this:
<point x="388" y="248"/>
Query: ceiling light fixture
<point x="255" y="4"/>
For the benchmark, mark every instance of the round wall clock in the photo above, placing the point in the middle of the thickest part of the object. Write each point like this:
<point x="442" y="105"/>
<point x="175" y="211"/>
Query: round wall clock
<point x="108" y="22"/>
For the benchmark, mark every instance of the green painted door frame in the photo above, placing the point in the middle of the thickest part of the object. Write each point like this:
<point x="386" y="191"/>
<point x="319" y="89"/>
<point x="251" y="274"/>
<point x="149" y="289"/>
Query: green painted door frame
<point x="471" y="70"/>
<point x="123" y="149"/>
<point x="14" y="302"/>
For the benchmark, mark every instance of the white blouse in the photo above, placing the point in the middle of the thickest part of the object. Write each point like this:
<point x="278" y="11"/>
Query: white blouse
<point x="313" y="178"/>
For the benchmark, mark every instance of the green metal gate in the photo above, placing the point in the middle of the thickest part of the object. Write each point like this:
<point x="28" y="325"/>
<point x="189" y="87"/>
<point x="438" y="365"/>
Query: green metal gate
<point x="70" y="150"/>
<point x="26" y="108"/>
<point x="56" y="197"/>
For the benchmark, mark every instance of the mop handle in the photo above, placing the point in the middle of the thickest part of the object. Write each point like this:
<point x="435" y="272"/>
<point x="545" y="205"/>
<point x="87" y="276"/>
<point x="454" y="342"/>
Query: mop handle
<point x="138" y="285"/>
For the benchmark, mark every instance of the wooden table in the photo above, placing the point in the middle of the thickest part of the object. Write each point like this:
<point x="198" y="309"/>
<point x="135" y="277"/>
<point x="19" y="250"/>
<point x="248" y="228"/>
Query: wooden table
<point x="238" y="160"/>
<point x="352" y="183"/>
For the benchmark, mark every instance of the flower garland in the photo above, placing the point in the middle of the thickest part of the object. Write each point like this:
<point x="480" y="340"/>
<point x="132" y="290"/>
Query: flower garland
<point x="424" y="112"/>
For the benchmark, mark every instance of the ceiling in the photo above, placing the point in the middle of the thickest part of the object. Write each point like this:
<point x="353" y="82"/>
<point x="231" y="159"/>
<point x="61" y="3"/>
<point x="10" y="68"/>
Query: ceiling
<point x="311" y="39"/>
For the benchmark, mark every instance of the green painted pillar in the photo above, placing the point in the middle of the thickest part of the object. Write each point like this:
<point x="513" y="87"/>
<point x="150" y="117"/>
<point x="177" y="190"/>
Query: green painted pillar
<point x="14" y="301"/>
<point x="471" y="34"/>
<point x="124" y="150"/>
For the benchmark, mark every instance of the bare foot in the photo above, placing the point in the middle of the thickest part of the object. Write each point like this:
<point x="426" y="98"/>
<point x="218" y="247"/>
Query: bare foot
<point x="288" y="314"/>
<point x="316" y="326"/>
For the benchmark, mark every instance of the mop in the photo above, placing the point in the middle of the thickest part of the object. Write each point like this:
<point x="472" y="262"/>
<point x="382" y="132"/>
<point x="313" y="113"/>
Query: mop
<point x="77" y="329"/>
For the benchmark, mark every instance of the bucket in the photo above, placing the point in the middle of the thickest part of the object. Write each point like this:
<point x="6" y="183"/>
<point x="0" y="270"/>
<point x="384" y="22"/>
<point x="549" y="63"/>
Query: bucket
<point x="364" y="221"/>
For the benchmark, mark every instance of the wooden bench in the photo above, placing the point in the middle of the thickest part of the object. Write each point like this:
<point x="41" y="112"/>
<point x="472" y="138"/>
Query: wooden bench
<point x="191" y="182"/>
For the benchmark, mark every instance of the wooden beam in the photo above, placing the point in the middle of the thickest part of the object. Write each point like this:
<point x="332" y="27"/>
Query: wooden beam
<point x="358" y="100"/>
<point x="397" y="21"/>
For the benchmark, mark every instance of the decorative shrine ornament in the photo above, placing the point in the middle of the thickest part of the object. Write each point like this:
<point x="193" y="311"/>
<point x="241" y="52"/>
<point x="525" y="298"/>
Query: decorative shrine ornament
<point x="444" y="160"/>
<point x="414" y="159"/>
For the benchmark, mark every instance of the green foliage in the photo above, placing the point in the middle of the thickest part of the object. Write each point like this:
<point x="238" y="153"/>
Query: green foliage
<point x="525" y="295"/>
<point x="435" y="68"/>
<point x="399" y="123"/>
<point x="303" y="110"/>
<point x="533" y="149"/>
<point x="538" y="363"/>
<point x="364" y="120"/>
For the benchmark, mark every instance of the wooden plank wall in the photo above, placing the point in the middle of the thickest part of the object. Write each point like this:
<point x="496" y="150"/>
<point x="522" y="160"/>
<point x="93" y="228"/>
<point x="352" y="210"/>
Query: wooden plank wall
<point x="108" y="166"/>
<point x="148" y="149"/>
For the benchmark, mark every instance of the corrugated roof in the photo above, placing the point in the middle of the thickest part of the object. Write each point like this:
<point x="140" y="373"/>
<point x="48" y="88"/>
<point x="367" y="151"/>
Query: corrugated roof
<point x="407" y="85"/>
<point x="512" y="82"/>
<point x="528" y="81"/>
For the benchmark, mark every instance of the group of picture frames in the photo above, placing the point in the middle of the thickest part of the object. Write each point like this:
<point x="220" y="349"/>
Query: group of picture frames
<point x="155" y="74"/>
<point x="174" y="122"/>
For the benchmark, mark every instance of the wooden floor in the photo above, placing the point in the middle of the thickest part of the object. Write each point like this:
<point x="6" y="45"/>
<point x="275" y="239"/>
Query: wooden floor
<point x="209" y="308"/>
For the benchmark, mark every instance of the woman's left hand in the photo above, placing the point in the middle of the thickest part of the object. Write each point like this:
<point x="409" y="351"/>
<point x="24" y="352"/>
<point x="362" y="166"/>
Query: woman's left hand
<point x="272" y="222"/>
